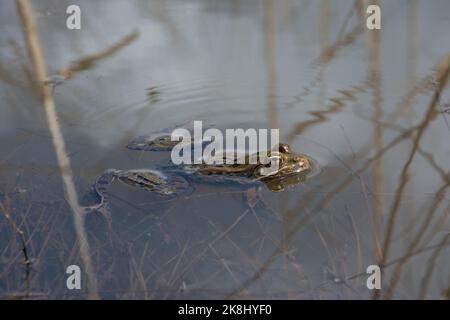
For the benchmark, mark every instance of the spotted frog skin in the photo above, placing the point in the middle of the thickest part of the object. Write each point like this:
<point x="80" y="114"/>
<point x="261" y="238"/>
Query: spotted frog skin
<point x="289" y="164"/>
<point x="292" y="168"/>
<point x="165" y="185"/>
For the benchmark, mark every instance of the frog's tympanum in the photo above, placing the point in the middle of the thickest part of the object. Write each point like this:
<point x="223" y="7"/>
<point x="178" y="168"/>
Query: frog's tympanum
<point x="292" y="168"/>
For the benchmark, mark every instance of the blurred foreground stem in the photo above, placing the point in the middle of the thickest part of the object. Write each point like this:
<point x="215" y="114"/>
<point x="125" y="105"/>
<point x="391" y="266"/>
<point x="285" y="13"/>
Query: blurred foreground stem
<point x="37" y="57"/>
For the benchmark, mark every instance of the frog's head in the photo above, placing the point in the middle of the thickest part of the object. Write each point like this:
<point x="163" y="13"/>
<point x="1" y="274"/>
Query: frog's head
<point x="291" y="162"/>
<point x="283" y="162"/>
<point x="285" y="168"/>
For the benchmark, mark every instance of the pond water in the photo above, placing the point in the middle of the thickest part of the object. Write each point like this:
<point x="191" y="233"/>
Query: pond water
<point x="368" y="106"/>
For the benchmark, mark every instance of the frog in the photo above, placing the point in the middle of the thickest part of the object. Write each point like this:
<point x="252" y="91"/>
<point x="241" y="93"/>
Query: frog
<point x="176" y="180"/>
<point x="289" y="164"/>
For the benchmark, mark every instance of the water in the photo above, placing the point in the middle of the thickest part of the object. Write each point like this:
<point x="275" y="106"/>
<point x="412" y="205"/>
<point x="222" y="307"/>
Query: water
<point x="351" y="104"/>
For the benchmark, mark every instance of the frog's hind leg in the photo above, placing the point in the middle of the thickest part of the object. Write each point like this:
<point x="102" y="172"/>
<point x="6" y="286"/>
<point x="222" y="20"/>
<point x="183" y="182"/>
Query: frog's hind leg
<point x="100" y="190"/>
<point x="162" y="140"/>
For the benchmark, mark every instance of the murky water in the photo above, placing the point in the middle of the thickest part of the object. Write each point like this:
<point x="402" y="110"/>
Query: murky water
<point x="369" y="106"/>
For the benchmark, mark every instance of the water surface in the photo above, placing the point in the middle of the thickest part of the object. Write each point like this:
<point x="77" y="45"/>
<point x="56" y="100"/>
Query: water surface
<point x="362" y="103"/>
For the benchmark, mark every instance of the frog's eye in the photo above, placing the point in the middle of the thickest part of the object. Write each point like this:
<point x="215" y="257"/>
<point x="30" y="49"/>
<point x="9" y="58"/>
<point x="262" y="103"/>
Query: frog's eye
<point x="284" y="148"/>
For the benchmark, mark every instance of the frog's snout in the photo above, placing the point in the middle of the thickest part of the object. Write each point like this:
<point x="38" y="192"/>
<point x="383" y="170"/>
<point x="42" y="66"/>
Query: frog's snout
<point x="304" y="162"/>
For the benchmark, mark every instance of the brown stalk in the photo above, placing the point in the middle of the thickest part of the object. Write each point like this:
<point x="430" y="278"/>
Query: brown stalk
<point x="271" y="66"/>
<point x="36" y="54"/>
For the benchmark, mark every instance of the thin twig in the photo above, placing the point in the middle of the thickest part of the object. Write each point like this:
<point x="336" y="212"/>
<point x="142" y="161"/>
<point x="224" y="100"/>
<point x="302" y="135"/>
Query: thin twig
<point x="21" y="235"/>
